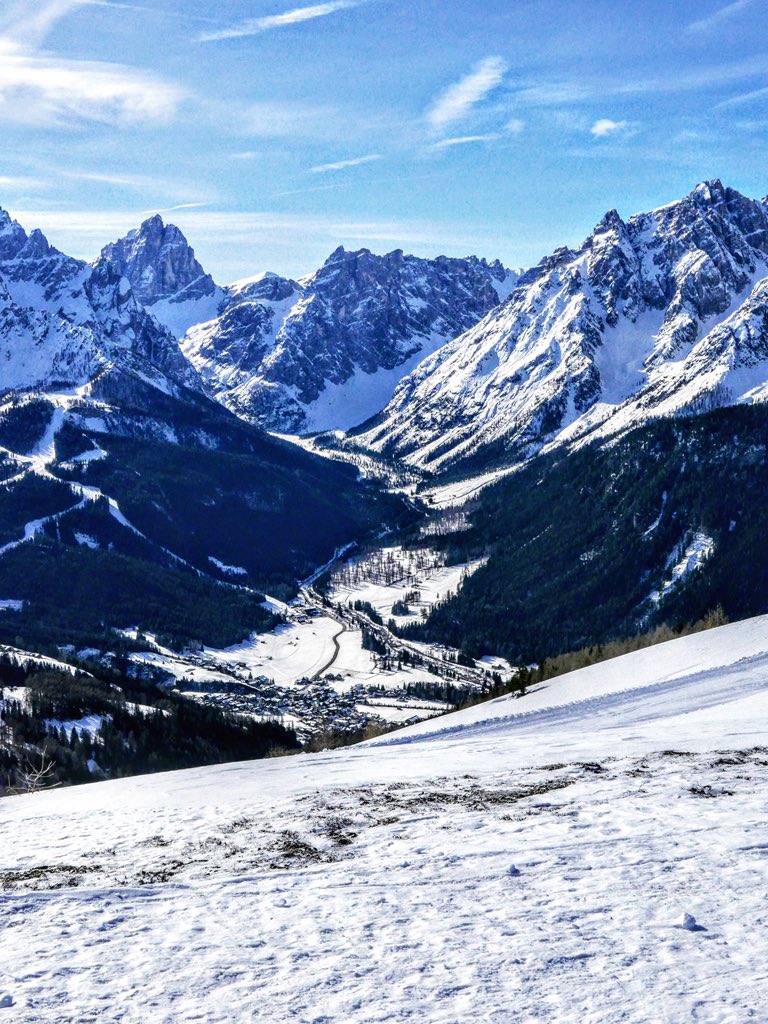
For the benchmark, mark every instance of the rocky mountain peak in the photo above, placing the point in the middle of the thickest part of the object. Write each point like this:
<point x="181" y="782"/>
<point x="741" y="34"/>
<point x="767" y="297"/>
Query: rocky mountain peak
<point x="648" y="316"/>
<point x="13" y="237"/>
<point x="160" y="264"/>
<point x="339" y="253"/>
<point x="267" y="285"/>
<point x="64" y="320"/>
<point x="326" y="352"/>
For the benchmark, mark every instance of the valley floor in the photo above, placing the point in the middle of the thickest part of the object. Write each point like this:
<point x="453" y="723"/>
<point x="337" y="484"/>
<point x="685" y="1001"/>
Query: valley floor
<point x="524" y="860"/>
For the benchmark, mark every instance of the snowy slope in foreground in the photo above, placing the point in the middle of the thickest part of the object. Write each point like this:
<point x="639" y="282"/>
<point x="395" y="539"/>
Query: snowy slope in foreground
<point x="528" y="860"/>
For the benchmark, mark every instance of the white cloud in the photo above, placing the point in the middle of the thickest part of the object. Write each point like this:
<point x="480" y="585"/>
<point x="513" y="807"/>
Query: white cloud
<point x="88" y="230"/>
<point x="28" y="24"/>
<point x="513" y="127"/>
<point x="722" y="14"/>
<point x="173" y="209"/>
<point x="36" y="87"/>
<point x="554" y="93"/>
<point x="742" y="98"/>
<point x="13" y="183"/>
<point x="463" y="140"/>
<point x="340" y="165"/>
<point x="563" y="93"/>
<point x="315" y="188"/>
<point x="605" y="126"/>
<point x="254" y="26"/>
<point x="459" y="99"/>
<point x="278" y="120"/>
<point x="139" y="182"/>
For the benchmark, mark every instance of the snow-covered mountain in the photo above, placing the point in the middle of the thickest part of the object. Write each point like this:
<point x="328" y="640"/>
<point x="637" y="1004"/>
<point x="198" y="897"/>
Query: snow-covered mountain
<point x="593" y="851"/>
<point x="326" y="352"/>
<point x="106" y="433"/>
<point x="63" y="321"/>
<point x="165" y="275"/>
<point x="661" y="314"/>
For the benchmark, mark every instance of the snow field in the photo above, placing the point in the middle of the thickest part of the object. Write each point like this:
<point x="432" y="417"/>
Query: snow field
<point x="433" y="585"/>
<point x="527" y="859"/>
<point x="290" y="652"/>
<point x="557" y="892"/>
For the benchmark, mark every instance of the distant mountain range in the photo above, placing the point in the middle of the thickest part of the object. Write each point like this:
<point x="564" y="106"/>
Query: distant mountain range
<point x="461" y="363"/>
<point x="127" y="494"/>
<point x="450" y="361"/>
<point x="325" y="352"/>
<point x="133" y="391"/>
<point x="658" y="315"/>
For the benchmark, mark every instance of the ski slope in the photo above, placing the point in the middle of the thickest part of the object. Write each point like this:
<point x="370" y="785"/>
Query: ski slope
<point x="528" y="859"/>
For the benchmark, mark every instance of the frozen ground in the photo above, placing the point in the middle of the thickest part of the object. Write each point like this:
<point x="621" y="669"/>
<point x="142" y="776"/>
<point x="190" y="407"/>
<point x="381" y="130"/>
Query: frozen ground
<point x="457" y="492"/>
<point x="526" y="860"/>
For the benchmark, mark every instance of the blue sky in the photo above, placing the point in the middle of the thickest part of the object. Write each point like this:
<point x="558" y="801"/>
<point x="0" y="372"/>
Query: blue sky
<point x="273" y="131"/>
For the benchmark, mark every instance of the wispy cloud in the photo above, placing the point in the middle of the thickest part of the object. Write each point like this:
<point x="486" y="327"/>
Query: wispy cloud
<point x="463" y="140"/>
<point x="513" y="127"/>
<point x="340" y="165"/>
<point x="38" y="87"/>
<point x="255" y="26"/>
<point x="140" y="182"/>
<point x="173" y="209"/>
<point x="743" y="98"/>
<point x="459" y="99"/>
<point x="13" y="183"/>
<point x="605" y="126"/>
<point x="716" y="19"/>
<point x="315" y="188"/>
<point x="44" y="89"/>
<point x="89" y="230"/>
<point x="284" y="119"/>
<point x="27" y="24"/>
<point x="546" y="94"/>
<point x="701" y="77"/>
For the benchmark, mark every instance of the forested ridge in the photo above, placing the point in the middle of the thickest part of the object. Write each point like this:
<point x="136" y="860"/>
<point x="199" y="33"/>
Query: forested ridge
<point x="578" y="542"/>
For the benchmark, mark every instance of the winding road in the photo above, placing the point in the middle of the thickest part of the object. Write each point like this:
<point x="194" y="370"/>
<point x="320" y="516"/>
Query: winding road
<point x="336" y="652"/>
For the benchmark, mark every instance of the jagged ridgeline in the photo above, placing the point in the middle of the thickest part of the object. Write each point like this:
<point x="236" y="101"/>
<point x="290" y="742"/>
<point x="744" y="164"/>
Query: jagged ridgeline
<point x="659" y="526"/>
<point x="324" y="352"/>
<point x="657" y="315"/>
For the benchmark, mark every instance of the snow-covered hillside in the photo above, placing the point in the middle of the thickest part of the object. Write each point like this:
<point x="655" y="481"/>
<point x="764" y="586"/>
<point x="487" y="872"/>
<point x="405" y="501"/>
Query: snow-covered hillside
<point x="593" y="851"/>
<point x="661" y="314"/>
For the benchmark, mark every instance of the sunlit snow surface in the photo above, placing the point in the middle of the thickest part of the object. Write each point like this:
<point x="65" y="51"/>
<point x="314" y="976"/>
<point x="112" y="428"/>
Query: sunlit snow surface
<point x="525" y="860"/>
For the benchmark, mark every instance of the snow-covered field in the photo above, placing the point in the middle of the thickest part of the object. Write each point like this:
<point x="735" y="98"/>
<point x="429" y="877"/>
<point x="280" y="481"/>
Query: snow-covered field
<point x="433" y="584"/>
<point x="356" y="666"/>
<point x="525" y="860"/>
<point x="287" y="653"/>
<point x="296" y="650"/>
